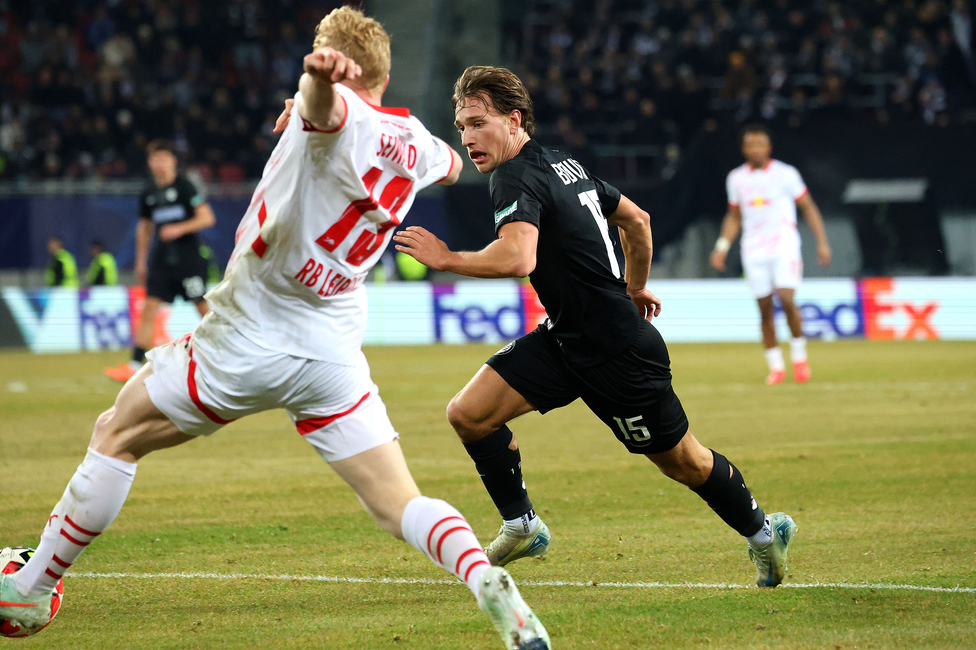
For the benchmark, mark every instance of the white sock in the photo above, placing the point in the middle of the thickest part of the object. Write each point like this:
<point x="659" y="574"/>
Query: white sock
<point x="763" y="537"/>
<point x="441" y="533"/>
<point x="798" y="349"/>
<point x="90" y="503"/>
<point x="523" y="525"/>
<point x="774" y="357"/>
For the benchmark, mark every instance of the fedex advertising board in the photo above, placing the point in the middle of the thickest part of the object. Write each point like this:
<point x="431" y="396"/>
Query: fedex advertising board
<point x="919" y="308"/>
<point x="831" y="309"/>
<point x="487" y="311"/>
<point x="101" y="318"/>
<point x="498" y="311"/>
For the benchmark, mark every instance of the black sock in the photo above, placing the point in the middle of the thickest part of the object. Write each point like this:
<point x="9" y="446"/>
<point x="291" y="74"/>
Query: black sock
<point x="139" y="354"/>
<point x="501" y="471"/>
<point x="729" y="497"/>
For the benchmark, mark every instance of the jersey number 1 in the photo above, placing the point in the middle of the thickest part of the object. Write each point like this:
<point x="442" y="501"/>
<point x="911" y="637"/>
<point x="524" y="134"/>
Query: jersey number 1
<point x="591" y="200"/>
<point x="392" y="198"/>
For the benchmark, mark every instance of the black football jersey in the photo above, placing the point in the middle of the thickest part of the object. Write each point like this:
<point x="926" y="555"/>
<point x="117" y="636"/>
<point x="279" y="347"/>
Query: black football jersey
<point x="171" y="204"/>
<point x="577" y="274"/>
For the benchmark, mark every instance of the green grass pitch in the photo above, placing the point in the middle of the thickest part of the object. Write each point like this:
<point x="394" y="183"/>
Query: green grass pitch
<point x="875" y="458"/>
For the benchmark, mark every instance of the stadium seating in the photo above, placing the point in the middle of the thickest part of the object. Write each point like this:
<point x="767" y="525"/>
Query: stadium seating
<point x="85" y="85"/>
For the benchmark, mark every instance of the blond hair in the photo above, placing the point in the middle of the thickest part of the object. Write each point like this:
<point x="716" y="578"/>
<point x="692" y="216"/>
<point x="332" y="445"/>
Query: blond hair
<point x="360" y="38"/>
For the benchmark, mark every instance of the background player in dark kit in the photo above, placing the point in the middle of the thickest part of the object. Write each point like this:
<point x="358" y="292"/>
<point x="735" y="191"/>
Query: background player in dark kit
<point x="174" y="209"/>
<point x="597" y="343"/>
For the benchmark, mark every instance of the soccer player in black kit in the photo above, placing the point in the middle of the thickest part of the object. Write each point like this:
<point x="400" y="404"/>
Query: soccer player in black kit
<point x="551" y="219"/>
<point x="175" y="210"/>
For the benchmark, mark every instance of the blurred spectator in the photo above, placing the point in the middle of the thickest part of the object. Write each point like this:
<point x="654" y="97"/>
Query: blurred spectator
<point x="103" y="270"/>
<point x="61" y="268"/>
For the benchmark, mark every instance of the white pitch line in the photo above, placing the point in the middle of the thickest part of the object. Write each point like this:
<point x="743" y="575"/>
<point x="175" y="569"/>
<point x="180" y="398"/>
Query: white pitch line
<point x="558" y="583"/>
<point x="837" y="386"/>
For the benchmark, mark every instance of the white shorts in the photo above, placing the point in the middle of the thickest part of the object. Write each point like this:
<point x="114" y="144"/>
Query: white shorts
<point x="766" y="274"/>
<point x="215" y="376"/>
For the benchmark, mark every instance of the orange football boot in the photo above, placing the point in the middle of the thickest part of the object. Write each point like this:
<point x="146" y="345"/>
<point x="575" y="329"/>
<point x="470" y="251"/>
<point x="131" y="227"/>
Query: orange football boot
<point x="121" y="373"/>
<point x="801" y="372"/>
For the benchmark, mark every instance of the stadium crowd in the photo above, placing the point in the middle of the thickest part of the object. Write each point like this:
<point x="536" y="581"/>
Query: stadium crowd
<point x="85" y="85"/>
<point x="639" y="73"/>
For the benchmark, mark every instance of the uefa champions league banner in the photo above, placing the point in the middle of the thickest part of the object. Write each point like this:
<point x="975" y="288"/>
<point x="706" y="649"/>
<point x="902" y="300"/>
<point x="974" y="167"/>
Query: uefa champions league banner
<point x="101" y="318"/>
<point x="497" y="311"/>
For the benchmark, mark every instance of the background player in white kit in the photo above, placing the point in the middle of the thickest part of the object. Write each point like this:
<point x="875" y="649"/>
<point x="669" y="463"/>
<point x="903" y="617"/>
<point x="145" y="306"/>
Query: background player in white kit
<point x="763" y="195"/>
<point x="285" y="331"/>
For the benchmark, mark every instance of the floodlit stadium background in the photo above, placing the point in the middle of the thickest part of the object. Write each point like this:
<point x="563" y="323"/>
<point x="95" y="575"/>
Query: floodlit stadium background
<point x="873" y="101"/>
<point x="246" y="540"/>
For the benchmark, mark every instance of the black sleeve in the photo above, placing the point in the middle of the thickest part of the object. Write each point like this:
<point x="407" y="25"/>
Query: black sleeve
<point x="144" y="211"/>
<point x="512" y="198"/>
<point x="58" y="269"/>
<point x="609" y="196"/>
<point x="190" y="196"/>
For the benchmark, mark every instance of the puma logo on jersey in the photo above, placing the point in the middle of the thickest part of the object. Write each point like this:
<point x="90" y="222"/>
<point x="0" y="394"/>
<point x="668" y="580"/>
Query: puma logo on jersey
<point x="397" y="151"/>
<point x="570" y="171"/>
<point x="501" y="214"/>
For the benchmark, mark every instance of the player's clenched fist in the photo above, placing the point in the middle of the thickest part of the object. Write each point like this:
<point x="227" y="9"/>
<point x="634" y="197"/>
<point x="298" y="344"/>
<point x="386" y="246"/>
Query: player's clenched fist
<point x="331" y="66"/>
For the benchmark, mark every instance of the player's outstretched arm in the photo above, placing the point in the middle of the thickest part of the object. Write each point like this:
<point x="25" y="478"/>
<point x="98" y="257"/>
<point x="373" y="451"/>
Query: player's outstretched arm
<point x="456" y="165"/>
<point x="731" y="226"/>
<point x="320" y="103"/>
<point x="144" y="234"/>
<point x="512" y="255"/>
<point x="638" y="247"/>
<point x="812" y="214"/>
<point x="203" y="218"/>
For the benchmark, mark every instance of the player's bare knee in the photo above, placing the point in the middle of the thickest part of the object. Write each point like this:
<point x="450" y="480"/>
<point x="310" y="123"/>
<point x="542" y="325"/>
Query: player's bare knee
<point x="103" y="427"/>
<point x="468" y="427"/>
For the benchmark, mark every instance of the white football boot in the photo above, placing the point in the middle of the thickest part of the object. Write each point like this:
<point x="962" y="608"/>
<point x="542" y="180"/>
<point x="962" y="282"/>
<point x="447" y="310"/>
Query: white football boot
<point x="28" y="612"/>
<point x="499" y="598"/>
<point x="770" y="560"/>
<point x="508" y="547"/>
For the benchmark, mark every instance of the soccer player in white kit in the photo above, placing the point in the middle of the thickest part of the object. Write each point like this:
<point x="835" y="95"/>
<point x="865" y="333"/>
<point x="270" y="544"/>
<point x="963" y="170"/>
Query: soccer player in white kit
<point x="286" y="329"/>
<point x="763" y="195"/>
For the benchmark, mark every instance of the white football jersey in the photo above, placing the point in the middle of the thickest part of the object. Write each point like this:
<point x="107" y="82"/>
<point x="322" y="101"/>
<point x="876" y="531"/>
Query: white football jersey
<point x="322" y="215"/>
<point x="767" y="199"/>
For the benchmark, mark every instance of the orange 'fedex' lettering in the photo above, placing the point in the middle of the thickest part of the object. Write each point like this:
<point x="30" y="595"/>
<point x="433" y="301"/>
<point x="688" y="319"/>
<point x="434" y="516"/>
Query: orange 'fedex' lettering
<point x="878" y="305"/>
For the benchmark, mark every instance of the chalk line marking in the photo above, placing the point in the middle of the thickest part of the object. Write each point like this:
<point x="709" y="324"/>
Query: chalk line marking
<point x="529" y="583"/>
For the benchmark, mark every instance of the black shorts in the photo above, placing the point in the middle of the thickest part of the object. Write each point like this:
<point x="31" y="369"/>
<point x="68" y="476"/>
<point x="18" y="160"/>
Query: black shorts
<point x="188" y="279"/>
<point x="631" y="393"/>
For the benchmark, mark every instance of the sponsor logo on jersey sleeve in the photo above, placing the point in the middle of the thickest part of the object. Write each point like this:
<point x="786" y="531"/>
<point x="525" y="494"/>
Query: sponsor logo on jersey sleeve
<point x="168" y="213"/>
<point x="501" y="214"/>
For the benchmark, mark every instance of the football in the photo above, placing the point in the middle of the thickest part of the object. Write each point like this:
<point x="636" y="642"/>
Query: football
<point x="12" y="559"/>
